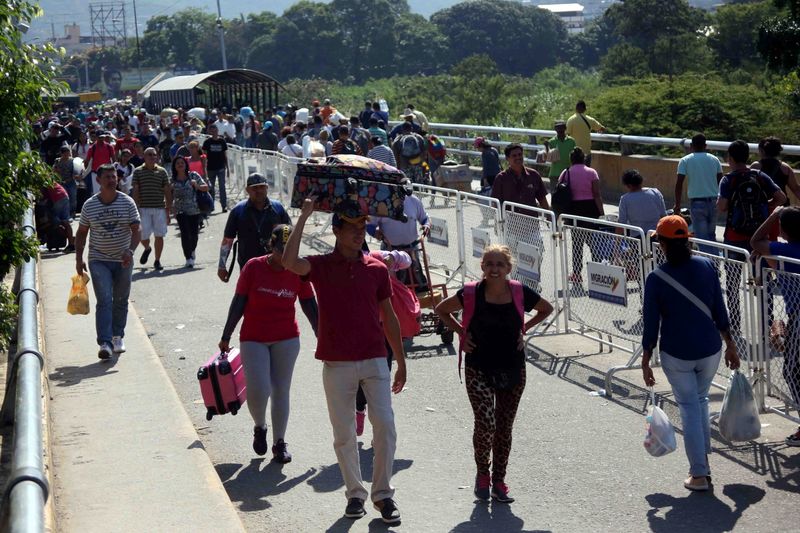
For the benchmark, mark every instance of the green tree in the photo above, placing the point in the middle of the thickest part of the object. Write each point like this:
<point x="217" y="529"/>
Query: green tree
<point x="643" y="22"/>
<point x="419" y="46"/>
<point x="624" y="61"/>
<point x="779" y="37"/>
<point x="734" y="32"/>
<point x="187" y="37"/>
<point x="28" y="73"/>
<point x="521" y="39"/>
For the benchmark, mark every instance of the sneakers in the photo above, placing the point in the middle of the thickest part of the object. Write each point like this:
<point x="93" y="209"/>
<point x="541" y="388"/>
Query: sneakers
<point x="355" y="508"/>
<point x="360" y="416"/>
<point x="280" y="454"/>
<point x="390" y="514"/>
<point x="260" y="440"/>
<point x="794" y="439"/>
<point x="157" y="265"/>
<point x="500" y="493"/>
<point x="105" y="351"/>
<point x="189" y="263"/>
<point x="117" y="344"/>
<point x="145" y="256"/>
<point x="482" y="482"/>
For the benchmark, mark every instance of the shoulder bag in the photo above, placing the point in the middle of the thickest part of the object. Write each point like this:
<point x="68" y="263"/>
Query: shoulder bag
<point x="562" y="197"/>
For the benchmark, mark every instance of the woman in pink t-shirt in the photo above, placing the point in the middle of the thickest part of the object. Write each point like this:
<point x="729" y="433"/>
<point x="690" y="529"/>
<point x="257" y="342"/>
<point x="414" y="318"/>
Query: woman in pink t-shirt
<point x="269" y="338"/>
<point x="586" y="202"/>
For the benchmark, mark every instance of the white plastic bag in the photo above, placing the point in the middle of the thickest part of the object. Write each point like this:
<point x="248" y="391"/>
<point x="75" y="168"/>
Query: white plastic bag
<point x="738" y="420"/>
<point x="660" y="437"/>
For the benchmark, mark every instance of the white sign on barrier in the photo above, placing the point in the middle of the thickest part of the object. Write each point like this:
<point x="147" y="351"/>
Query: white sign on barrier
<point x="529" y="262"/>
<point x="438" y="233"/>
<point x="607" y="283"/>
<point x="480" y="240"/>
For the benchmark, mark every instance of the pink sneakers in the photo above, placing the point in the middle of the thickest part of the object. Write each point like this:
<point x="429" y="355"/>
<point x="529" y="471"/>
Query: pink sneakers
<point x="360" y="416"/>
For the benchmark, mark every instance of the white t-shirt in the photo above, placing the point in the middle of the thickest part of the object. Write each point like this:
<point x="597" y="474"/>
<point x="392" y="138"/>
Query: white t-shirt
<point x="226" y="130"/>
<point x="292" y="150"/>
<point x="133" y="120"/>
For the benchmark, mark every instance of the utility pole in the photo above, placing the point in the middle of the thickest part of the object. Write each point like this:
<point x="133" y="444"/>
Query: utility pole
<point x="221" y="37"/>
<point x="138" y="49"/>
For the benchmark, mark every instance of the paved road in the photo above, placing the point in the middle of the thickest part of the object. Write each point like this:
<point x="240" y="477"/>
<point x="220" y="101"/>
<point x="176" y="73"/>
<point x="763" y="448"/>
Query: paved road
<point x="577" y="464"/>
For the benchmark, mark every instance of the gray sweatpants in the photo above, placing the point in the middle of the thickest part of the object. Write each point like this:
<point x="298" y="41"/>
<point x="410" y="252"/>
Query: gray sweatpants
<point x="268" y="368"/>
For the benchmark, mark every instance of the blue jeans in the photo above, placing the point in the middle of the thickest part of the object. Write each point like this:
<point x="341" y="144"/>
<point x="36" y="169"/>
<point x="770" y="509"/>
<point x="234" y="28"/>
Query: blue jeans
<point x="112" y="286"/>
<point x="212" y="179"/>
<point x="704" y="220"/>
<point x="72" y="190"/>
<point x="690" y="381"/>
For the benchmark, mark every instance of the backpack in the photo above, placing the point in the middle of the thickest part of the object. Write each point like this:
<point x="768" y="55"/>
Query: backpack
<point x="349" y="147"/>
<point x="749" y="203"/>
<point x="410" y="146"/>
<point x="361" y="138"/>
<point x="436" y="148"/>
<point x="469" y="295"/>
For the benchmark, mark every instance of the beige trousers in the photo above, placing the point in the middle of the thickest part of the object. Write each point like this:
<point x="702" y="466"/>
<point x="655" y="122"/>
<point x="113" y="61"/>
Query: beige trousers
<point x="341" y="380"/>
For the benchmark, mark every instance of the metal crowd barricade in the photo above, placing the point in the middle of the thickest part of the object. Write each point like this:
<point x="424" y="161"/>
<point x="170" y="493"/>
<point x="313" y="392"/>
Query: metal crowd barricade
<point x="739" y="292"/>
<point x="604" y="298"/>
<point x="445" y="246"/>
<point x="480" y="224"/>
<point x="532" y="236"/>
<point x="779" y="301"/>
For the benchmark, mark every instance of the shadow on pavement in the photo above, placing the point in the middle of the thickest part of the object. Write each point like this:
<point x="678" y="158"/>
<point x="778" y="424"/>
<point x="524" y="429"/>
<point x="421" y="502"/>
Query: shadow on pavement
<point x="701" y="511"/>
<point x="253" y="484"/>
<point x="426" y="352"/>
<point x="344" y="524"/>
<point x="147" y="272"/>
<point x="66" y="376"/>
<point x="763" y="459"/>
<point x="329" y="478"/>
<point x="493" y="517"/>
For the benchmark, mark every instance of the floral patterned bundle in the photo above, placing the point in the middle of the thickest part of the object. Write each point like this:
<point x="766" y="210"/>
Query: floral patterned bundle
<point x="352" y="185"/>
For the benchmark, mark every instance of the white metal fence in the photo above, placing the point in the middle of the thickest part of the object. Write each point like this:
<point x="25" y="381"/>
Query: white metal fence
<point x="558" y="257"/>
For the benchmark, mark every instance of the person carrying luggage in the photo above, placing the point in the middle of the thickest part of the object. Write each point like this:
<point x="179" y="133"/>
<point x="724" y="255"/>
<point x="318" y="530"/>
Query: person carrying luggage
<point x="269" y="338"/>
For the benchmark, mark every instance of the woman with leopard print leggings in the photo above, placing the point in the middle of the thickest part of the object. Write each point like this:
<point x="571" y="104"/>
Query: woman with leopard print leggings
<point x="492" y="337"/>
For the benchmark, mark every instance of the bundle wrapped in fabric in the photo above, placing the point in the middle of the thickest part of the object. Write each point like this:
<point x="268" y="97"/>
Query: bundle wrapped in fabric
<point x="352" y="185"/>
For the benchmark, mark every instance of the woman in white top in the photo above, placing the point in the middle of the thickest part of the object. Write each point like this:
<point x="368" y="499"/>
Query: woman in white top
<point x="292" y="149"/>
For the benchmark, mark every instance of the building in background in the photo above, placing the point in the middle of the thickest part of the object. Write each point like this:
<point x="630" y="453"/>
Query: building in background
<point x="75" y="43"/>
<point x="570" y="14"/>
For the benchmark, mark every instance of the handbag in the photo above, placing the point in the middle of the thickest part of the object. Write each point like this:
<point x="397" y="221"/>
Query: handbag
<point x="562" y="196"/>
<point x="205" y="202"/>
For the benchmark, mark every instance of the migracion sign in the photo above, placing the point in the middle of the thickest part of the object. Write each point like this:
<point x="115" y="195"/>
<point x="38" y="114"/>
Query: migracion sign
<point x="607" y="283"/>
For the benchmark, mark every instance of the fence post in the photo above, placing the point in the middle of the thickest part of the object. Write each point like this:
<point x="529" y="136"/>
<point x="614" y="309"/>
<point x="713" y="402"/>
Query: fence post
<point x="462" y="258"/>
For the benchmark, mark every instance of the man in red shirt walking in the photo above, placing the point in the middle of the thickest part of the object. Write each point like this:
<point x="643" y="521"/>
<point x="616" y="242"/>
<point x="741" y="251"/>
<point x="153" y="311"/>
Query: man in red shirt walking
<point x="355" y="319"/>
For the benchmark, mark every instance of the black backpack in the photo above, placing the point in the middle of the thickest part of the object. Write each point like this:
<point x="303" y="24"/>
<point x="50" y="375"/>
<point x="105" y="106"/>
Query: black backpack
<point x="749" y="204"/>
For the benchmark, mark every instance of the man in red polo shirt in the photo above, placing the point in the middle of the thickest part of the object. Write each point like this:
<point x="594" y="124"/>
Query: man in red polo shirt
<point x="355" y="319"/>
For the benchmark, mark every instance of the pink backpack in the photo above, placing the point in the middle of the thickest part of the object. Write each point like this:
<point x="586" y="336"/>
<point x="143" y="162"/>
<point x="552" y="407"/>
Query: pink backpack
<point x="470" y="290"/>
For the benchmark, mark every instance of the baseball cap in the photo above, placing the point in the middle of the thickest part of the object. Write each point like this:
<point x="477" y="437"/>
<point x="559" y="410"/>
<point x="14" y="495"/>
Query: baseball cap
<point x="559" y="122"/>
<point x="348" y="211"/>
<point x="256" y="179"/>
<point x="280" y="236"/>
<point x="673" y="227"/>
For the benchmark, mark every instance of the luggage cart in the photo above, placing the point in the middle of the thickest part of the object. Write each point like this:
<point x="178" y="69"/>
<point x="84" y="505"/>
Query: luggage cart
<point x="430" y="323"/>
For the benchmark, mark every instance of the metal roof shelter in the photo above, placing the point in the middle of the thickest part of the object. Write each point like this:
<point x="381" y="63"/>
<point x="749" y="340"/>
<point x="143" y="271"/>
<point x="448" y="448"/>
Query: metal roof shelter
<point x="230" y="88"/>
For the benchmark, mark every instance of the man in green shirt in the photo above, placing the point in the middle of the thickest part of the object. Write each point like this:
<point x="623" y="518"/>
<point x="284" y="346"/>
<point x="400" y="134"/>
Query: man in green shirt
<point x="564" y="144"/>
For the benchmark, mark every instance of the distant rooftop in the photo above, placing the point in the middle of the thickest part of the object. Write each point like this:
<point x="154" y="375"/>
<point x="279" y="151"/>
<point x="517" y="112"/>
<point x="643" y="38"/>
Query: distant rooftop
<point x="562" y="8"/>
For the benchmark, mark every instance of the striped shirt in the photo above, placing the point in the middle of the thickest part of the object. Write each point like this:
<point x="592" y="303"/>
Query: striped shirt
<point x="151" y="186"/>
<point x="383" y="153"/>
<point x="109" y="226"/>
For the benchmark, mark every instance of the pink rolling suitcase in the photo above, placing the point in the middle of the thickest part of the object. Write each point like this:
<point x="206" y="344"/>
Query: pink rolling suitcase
<point x="222" y="383"/>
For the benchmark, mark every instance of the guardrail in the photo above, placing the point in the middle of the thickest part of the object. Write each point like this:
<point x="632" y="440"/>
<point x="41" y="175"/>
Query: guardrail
<point x="622" y="140"/>
<point x="27" y="490"/>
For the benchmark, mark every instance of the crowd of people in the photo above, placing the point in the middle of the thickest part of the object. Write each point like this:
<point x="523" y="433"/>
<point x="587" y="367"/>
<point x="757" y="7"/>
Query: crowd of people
<point x="111" y="172"/>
